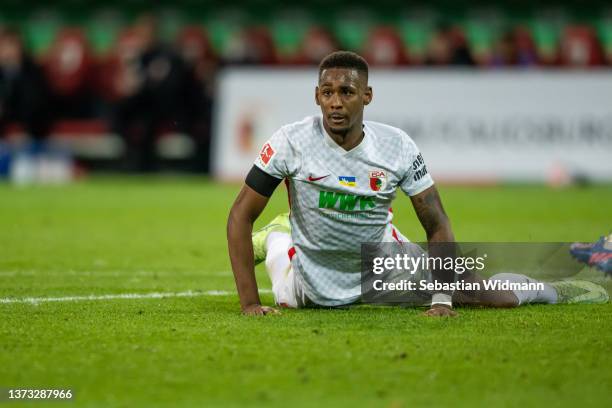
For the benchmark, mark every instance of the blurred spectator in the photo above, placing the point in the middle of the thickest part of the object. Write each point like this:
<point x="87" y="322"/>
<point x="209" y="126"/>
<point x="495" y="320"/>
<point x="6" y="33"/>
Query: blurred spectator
<point x="150" y="87"/>
<point x="69" y="70"/>
<point x="201" y="64"/>
<point x="526" y="55"/>
<point x="24" y="97"/>
<point x="461" y="54"/>
<point x="439" y="50"/>
<point x="117" y="74"/>
<point x="448" y="47"/>
<point x="317" y="43"/>
<point x="505" y="52"/>
<point x="514" y="47"/>
<point x="384" y="48"/>
<point x="253" y="45"/>
<point x="579" y="47"/>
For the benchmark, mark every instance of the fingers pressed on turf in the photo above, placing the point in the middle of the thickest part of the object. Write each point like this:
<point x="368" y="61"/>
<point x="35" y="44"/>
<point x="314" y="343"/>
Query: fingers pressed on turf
<point x="440" y="313"/>
<point x="271" y="310"/>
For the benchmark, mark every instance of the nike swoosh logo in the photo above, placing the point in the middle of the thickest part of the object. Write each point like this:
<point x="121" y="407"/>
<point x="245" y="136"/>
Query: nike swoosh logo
<point x="310" y="178"/>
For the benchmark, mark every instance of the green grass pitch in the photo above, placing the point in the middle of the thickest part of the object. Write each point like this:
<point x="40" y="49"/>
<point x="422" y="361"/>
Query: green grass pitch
<point x="116" y="236"/>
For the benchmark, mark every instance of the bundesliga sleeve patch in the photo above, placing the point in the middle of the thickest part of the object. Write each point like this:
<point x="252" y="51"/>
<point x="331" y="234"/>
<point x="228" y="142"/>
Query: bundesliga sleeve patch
<point x="266" y="154"/>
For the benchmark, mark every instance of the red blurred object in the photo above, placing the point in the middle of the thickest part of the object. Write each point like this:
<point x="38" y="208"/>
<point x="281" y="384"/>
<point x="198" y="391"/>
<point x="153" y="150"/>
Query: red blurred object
<point x="253" y="45"/>
<point x="196" y="51"/>
<point x="194" y="46"/>
<point x="112" y="71"/>
<point x="439" y="49"/>
<point x="579" y="47"/>
<point x="526" y="54"/>
<point x="72" y="128"/>
<point x="384" y="48"/>
<point x="69" y="63"/>
<point x="317" y="43"/>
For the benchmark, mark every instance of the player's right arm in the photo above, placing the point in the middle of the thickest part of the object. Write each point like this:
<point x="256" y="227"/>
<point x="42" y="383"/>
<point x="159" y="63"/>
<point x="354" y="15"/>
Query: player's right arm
<point x="273" y="164"/>
<point x="246" y="209"/>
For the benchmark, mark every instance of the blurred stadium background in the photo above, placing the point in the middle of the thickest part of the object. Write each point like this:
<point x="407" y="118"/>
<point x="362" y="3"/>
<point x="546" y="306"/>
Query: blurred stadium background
<point x="185" y="85"/>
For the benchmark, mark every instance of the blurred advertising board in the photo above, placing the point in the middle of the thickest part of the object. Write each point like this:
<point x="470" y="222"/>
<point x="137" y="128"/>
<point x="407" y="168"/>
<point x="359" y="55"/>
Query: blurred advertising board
<point x="472" y="126"/>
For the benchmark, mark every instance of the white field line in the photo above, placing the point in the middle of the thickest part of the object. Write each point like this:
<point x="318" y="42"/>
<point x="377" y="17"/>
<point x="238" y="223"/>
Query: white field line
<point x="153" y="295"/>
<point x="33" y="272"/>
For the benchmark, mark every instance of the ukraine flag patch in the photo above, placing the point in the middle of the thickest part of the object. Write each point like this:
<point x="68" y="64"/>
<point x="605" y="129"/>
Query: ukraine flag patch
<point x="347" y="181"/>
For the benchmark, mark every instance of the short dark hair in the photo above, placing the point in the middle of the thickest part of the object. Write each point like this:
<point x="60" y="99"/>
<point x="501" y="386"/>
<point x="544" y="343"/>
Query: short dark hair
<point x="344" y="59"/>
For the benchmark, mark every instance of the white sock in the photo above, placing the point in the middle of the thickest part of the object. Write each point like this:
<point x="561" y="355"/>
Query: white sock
<point x="547" y="295"/>
<point x="277" y="257"/>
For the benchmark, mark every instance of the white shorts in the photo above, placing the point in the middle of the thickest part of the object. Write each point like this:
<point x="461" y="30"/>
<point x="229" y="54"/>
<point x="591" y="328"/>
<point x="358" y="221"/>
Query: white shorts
<point x="289" y="292"/>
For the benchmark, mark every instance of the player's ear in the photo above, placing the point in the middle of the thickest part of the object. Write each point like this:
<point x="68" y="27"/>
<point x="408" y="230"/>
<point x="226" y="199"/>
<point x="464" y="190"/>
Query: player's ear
<point x="317" y="95"/>
<point x="368" y="95"/>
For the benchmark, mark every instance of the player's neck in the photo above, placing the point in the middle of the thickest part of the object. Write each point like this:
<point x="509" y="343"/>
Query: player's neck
<point x="348" y="140"/>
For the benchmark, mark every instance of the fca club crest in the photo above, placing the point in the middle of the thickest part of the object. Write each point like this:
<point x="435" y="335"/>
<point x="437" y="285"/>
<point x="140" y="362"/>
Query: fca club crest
<point x="378" y="180"/>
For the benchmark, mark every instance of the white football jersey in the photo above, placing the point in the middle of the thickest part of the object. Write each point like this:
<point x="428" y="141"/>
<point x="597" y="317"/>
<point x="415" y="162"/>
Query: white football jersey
<point x="340" y="198"/>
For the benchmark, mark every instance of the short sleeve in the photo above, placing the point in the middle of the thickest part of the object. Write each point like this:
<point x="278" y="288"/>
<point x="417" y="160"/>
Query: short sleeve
<point x="416" y="177"/>
<point x="277" y="156"/>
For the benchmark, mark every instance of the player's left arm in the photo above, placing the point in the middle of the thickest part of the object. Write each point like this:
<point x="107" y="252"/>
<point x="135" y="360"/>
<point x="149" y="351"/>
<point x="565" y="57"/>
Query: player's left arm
<point x="433" y="218"/>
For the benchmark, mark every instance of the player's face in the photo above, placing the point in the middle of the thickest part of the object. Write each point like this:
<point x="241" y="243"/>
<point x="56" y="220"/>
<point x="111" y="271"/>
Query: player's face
<point x="342" y="93"/>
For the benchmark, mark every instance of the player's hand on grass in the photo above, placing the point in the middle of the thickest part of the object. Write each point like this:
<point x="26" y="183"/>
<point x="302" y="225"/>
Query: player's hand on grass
<point x="259" y="310"/>
<point x="440" y="310"/>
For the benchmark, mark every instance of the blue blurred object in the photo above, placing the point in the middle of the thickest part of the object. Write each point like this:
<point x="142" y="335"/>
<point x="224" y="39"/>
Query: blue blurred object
<point x="596" y="254"/>
<point x="5" y="160"/>
<point x="581" y="251"/>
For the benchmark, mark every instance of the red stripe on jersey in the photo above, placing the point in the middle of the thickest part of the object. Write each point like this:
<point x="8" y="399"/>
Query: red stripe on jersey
<point x="291" y="253"/>
<point x="394" y="234"/>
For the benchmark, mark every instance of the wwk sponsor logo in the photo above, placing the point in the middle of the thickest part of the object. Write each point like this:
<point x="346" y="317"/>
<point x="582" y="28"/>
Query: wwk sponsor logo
<point x="345" y="202"/>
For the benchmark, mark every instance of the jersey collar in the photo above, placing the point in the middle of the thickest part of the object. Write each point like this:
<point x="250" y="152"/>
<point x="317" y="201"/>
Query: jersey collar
<point x="335" y="146"/>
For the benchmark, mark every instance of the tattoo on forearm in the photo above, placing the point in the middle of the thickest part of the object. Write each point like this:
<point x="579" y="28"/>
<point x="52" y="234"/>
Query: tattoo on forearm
<point x="430" y="211"/>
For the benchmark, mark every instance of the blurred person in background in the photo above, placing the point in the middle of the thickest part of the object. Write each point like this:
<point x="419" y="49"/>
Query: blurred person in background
<point x="461" y="54"/>
<point x="25" y="101"/>
<point x="317" y="43"/>
<point x="24" y="94"/>
<point x="514" y="47"/>
<point x="250" y="46"/>
<point x="150" y="85"/>
<point x="384" y="48"/>
<point x="505" y="52"/>
<point x="447" y="46"/>
<point x="69" y="69"/>
<point x="526" y="55"/>
<point x="439" y="50"/>
<point x="580" y="48"/>
<point x="201" y="66"/>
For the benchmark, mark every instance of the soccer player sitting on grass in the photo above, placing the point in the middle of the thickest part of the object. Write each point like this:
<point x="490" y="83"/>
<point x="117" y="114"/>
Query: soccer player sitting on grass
<point x="342" y="174"/>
